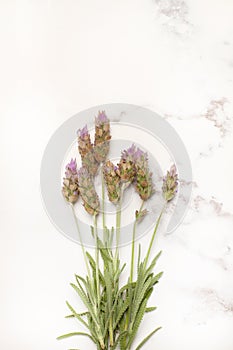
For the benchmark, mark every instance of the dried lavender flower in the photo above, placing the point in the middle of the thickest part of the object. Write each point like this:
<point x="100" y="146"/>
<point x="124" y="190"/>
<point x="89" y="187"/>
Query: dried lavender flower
<point x="113" y="181"/>
<point x="170" y="184"/>
<point x="86" y="151"/>
<point x="102" y="137"/>
<point x="70" y="187"/>
<point x="126" y="166"/>
<point x="88" y="192"/>
<point x="144" y="184"/>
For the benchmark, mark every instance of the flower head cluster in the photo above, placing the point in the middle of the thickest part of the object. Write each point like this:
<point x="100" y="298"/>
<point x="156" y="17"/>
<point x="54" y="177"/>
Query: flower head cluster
<point x="70" y="187"/>
<point x="102" y="137"/>
<point x="132" y="168"/>
<point x="86" y="151"/>
<point x="87" y="191"/>
<point x="126" y="166"/>
<point x="113" y="181"/>
<point x="170" y="184"/>
<point x="143" y="178"/>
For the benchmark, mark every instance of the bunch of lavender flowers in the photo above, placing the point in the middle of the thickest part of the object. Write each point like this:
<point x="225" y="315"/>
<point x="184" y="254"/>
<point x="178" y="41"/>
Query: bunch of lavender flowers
<point x="114" y="312"/>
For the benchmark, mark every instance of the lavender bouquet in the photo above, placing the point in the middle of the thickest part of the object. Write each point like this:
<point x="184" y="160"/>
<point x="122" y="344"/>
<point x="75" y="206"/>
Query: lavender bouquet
<point x="113" y="310"/>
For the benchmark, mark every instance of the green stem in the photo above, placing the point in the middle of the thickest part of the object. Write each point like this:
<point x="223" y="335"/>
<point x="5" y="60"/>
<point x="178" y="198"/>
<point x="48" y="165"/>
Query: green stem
<point x="97" y="261"/>
<point x="108" y="245"/>
<point x="80" y="238"/>
<point x="103" y="198"/>
<point x="118" y="223"/>
<point x="118" y="227"/>
<point x="133" y="244"/>
<point x="153" y="236"/>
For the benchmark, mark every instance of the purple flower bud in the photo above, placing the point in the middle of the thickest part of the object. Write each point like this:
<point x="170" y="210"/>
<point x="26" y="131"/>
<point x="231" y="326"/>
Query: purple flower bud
<point x="82" y="133"/>
<point x="139" y="154"/>
<point x="101" y="118"/>
<point x="71" y="167"/>
<point x="129" y="154"/>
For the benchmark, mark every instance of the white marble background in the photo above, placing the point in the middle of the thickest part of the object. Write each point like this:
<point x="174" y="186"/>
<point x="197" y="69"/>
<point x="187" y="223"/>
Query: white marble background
<point x="59" y="57"/>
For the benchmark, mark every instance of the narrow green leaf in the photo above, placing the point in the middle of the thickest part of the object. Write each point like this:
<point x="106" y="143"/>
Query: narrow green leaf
<point x="118" y="272"/>
<point x="121" y="312"/>
<point x="77" y="315"/>
<point x="74" y="334"/>
<point x="156" y="278"/>
<point x="105" y="256"/>
<point x="137" y="322"/>
<point x="151" y="309"/>
<point x="153" y="263"/>
<point x="139" y="298"/>
<point x="87" y="303"/>
<point x="81" y="279"/>
<point x="147" y="338"/>
<point x="93" y="266"/>
<point x="81" y="314"/>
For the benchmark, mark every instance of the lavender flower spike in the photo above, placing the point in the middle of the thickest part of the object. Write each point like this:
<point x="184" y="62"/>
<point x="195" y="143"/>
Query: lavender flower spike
<point x="144" y="184"/>
<point x="88" y="193"/>
<point x="170" y="184"/>
<point x="113" y="181"/>
<point x="86" y="151"/>
<point x="102" y="137"/>
<point x="126" y="165"/>
<point x="101" y="118"/>
<point x="70" y="188"/>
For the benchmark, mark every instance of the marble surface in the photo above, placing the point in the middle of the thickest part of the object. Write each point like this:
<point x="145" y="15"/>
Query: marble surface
<point x="172" y="56"/>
